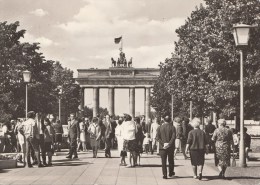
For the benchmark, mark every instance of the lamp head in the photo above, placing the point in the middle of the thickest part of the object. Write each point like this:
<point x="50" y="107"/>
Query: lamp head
<point x="27" y="76"/>
<point x="241" y="34"/>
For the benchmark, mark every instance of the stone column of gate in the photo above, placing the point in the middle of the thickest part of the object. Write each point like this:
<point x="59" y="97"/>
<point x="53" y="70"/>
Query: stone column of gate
<point x="82" y="98"/>
<point x="111" y="101"/>
<point x="132" y="101"/>
<point x="144" y="101"/>
<point x="147" y="103"/>
<point x="95" y="101"/>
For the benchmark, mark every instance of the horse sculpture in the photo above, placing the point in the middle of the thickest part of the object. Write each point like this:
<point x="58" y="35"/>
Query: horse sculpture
<point x="130" y="62"/>
<point x="113" y="62"/>
<point x="121" y="61"/>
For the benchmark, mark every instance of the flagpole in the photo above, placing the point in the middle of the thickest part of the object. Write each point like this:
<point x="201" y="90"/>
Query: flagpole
<point x="122" y="43"/>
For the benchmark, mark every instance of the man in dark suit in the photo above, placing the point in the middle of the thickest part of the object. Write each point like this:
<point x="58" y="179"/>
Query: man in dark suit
<point x="166" y="135"/>
<point x="73" y="134"/>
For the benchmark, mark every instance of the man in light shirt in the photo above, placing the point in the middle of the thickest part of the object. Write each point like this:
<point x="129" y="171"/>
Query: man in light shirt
<point x="31" y="134"/>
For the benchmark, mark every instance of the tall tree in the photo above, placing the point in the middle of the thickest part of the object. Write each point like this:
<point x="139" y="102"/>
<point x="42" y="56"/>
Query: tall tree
<point x="207" y="71"/>
<point x="15" y="57"/>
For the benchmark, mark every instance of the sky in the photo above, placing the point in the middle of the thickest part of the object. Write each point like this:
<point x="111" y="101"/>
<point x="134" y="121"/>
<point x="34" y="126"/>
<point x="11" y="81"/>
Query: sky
<point x="80" y="33"/>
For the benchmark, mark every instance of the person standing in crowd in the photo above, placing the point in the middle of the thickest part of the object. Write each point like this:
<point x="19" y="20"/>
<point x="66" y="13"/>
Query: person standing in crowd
<point x="223" y="139"/>
<point x="186" y="127"/>
<point x="235" y="139"/>
<point x="13" y="137"/>
<point x="21" y="139"/>
<point x="103" y="132"/>
<point x="120" y="141"/>
<point x="197" y="145"/>
<point x="179" y="135"/>
<point x="247" y="143"/>
<point x="166" y="135"/>
<point x="82" y="138"/>
<point x="139" y="136"/>
<point x="112" y="134"/>
<point x="95" y="136"/>
<point x="148" y="126"/>
<point x="58" y="135"/>
<point x="73" y="136"/>
<point x="209" y="129"/>
<point x="31" y="134"/>
<point x="49" y="135"/>
<point x="7" y="142"/>
<point x="86" y="121"/>
<point x="153" y="132"/>
<point x="108" y="132"/>
<point x="129" y="132"/>
<point x="40" y="125"/>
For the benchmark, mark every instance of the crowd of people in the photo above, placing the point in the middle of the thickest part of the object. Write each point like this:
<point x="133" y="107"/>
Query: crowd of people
<point x="39" y="137"/>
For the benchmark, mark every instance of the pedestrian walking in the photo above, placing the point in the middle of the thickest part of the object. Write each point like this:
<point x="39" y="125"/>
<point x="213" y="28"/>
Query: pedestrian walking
<point x="209" y="129"/>
<point x="223" y="143"/>
<point x="166" y="135"/>
<point x="179" y="135"/>
<point x="95" y="136"/>
<point x="186" y="127"/>
<point x="58" y="135"/>
<point x="82" y="137"/>
<point x="153" y="132"/>
<point x="73" y="134"/>
<point x="197" y="145"/>
<point x="108" y="136"/>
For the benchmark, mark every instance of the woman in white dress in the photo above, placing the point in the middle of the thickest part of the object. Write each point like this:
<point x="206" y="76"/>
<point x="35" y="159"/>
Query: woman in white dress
<point x="120" y="140"/>
<point x="82" y="136"/>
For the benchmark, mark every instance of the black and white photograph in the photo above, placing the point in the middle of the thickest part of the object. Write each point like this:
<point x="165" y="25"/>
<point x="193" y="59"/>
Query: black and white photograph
<point x="129" y="92"/>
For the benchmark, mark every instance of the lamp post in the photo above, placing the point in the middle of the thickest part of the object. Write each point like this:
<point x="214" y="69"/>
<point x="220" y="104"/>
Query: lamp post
<point x="60" y="93"/>
<point x="241" y="36"/>
<point x="26" y="79"/>
<point x="190" y="110"/>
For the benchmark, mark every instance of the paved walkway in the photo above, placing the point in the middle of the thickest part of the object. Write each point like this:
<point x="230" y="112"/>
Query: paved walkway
<point x="88" y="170"/>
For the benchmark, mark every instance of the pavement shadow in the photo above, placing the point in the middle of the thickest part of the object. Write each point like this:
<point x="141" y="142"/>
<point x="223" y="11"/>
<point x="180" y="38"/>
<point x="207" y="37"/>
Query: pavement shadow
<point x="4" y="171"/>
<point x="208" y="178"/>
<point x="154" y="165"/>
<point x="72" y="163"/>
<point x="149" y="165"/>
<point x="242" y="177"/>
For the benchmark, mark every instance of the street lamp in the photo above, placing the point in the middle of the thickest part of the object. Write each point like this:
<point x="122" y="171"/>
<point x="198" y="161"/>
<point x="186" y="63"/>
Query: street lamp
<point x="241" y="36"/>
<point x="26" y="78"/>
<point x="60" y="93"/>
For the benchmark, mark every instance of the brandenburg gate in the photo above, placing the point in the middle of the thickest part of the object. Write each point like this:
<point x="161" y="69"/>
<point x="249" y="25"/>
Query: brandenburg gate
<point x="120" y="75"/>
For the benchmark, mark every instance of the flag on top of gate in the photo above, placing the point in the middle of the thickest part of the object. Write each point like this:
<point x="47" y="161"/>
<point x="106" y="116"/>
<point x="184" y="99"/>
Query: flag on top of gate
<point x="117" y="40"/>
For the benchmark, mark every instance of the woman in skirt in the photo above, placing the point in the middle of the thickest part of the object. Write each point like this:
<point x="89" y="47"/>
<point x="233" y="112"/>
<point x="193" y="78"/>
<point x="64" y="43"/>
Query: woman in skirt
<point x="223" y="142"/>
<point x="129" y="135"/>
<point x="95" y="135"/>
<point x="197" y="144"/>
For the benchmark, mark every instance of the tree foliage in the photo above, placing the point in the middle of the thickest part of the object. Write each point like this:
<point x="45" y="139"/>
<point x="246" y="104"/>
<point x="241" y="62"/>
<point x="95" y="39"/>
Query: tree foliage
<point x="207" y="68"/>
<point x="88" y="112"/>
<point x="16" y="57"/>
